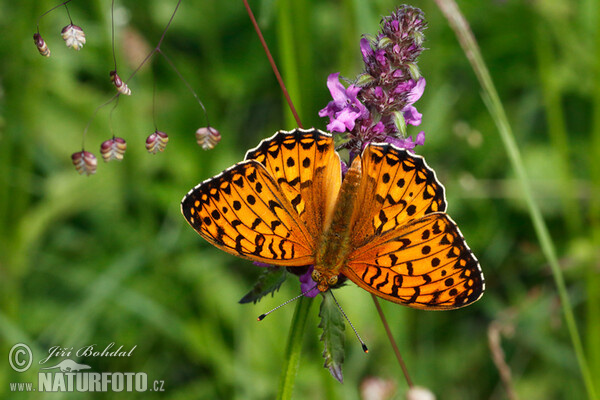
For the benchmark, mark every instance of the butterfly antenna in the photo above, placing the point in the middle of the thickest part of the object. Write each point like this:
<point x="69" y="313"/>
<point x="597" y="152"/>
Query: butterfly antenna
<point x="364" y="346"/>
<point x="262" y="316"/>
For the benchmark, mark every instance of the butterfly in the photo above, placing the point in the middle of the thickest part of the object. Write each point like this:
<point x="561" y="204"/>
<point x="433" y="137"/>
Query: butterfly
<point x="382" y="226"/>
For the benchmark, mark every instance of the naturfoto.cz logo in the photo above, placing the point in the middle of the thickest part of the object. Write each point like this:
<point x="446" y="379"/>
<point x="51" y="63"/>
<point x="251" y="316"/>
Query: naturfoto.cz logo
<point x="68" y="375"/>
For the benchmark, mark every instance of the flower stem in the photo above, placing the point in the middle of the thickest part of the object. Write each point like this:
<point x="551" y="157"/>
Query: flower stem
<point x="273" y="65"/>
<point x="392" y="341"/>
<point x="292" y="351"/>
<point x="463" y="32"/>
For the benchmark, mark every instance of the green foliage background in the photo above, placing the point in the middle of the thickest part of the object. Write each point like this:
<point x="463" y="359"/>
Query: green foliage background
<point x="109" y="258"/>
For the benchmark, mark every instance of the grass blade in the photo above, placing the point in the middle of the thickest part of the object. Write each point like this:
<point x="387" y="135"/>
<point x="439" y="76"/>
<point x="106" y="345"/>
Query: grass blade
<point x="494" y="105"/>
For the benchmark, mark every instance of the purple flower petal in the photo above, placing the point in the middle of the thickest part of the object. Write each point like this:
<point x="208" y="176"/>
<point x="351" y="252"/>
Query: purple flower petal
<point x="306" y="282"/>
<point x="407" y="143"/>
<point x="262" y="264"/>
<point x="344" y="168"/>
<point x="405" y="86"/>
<point x="417" y="91"/>
<point x="411" y="115"/>
<point x="380" y="57"/>
<point x="336" y="126"/>
<point x="348" y="118"/>
<point x="402" y="143"/>
<point x="378" y="127"/>
<point x="365" y="48"/>
<point x="352" y="92"/>
<point x="345" y="108"/>
<point x="337" y="90"/>
<point x="420" y="138"/>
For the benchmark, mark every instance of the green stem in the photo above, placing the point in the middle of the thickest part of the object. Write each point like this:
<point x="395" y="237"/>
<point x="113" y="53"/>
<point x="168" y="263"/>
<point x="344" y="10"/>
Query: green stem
<point x="388" y="331"/>
<point x="593" y="278"/>
<point x="292" y="351"/>
<point x="557" y="130"/>
<point x="494" y="105"/>
<point x="288" y="57"/>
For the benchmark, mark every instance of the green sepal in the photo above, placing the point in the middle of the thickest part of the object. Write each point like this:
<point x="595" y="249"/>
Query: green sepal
<point x="415" y="72"/>
<point x="365" y="80"/>
<point x="268" y="282"/>
<point x="333" y="337"/>
<point x="418" y="37"/>
<point x="383" y="42"/>
<point x="400" y="122"/>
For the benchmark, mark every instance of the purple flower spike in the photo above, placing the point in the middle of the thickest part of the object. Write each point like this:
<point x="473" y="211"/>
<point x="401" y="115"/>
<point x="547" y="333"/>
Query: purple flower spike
<point x="306" y="282"/>
<point x="379" y="105"/>
<point x="345" y="108"/>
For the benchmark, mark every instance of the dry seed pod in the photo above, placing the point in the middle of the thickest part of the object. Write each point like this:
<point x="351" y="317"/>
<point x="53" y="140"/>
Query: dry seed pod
<point x="73" y="36"/>
<point x="41" y="45"/>
<point x="119" y="84"/>
<point x="157" y="142"/>
<point x="113" y="149"/>
<point x="208" y="137"/>
<point x="85" y="162"/>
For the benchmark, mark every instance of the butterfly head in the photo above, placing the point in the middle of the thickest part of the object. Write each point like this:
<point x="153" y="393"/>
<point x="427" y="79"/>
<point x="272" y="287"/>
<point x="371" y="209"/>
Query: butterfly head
<point x="324" y="280"/>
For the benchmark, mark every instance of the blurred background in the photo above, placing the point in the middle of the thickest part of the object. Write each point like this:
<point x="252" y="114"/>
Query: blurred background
<point x="109" y="258"/>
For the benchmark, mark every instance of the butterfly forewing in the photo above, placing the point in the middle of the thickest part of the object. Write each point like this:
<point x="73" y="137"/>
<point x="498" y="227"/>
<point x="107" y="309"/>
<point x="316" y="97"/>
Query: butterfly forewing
<point x="244" y="212"/>
<point x="395" y="188"/>
<point x="307" y="168"/>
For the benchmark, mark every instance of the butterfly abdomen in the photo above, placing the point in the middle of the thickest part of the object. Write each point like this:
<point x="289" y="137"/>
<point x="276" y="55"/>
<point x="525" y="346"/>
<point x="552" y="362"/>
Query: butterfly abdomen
<point x="334" y="245"/>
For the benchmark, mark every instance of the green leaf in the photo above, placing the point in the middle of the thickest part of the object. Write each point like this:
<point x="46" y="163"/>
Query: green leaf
<point x="268" y="282"/>
<point x="333" y="327"/>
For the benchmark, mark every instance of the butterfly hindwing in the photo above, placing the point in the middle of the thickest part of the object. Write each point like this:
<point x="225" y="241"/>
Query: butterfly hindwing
<point x="307" y="168"/>
<point x="425" y="264"/>
<point x="243" y="211"/>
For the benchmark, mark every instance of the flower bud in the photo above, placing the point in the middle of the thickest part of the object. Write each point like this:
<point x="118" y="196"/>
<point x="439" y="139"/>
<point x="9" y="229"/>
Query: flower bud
<point x="73" y="36"/>
<point x="41" y="45"/>
<point x="157" y="142"/>
<point x="113" y="149"/>
<point x="119" y="84"/>
<point x="85" y="162"/>
<point x="208" y="137"/>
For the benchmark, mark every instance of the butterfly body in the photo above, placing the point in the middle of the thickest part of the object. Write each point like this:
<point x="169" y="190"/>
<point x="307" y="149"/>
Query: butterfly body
<point x="383" y="226"/>
<point x="335" y="243"/>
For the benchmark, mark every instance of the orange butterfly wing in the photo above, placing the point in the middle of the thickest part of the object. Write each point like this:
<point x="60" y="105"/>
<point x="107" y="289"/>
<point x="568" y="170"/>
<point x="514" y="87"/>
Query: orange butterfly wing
<point x="268" y="207"/>
<point x="395" y="188"/>
<point x="306" y="166"/>
<point x="405" y="249"/>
